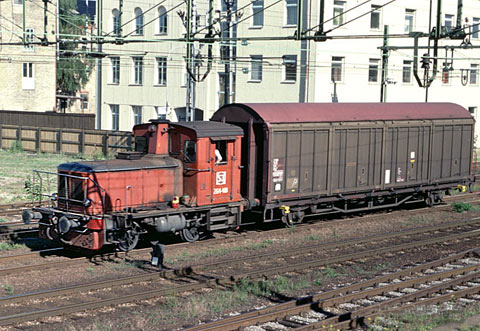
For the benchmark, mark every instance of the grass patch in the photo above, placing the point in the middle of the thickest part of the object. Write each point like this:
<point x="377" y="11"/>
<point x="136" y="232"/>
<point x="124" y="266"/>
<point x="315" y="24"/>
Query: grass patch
<point x="218" y="251"/>
<point x="125" y="264"/>
<point x="416" y="220"/>
<point x="10" y="246"/>
<point x="460" y="207"/>
<point x="271" y="288"/>
<point x="7" y="288"/>
<point x="329" y="272"/>
<point x="422" y="320"/>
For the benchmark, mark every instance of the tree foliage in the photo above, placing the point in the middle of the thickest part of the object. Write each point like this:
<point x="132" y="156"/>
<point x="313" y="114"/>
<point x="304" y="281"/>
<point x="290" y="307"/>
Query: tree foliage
<point x="73" y="67"/>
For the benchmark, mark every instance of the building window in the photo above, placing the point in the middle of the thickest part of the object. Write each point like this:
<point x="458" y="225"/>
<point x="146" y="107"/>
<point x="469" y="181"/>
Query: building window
<point x="116" y="21"/>
<point x="137" y="114"/>
<point x="138" y="21"/>
<point x="18" y="2"/>
<point x="257" y="10"/>
<point x="29" y="39"/>
<point x="337" y="69"/>
<point x="137" y="70"/>
<point x="256" y="67"/>
<point x="375" y="17"/>
<point x="446" y="77"/>
<point x="28" y="80"/>
<point x="476" y="23"/>
<point x="161" y="70"/>
<point x="162" y="20"/>
<point x="473" y="74"/>
<point x="115" y="117"/>
<point x="338" y="10"/>
<point x="115" y="62"/>
<point x="407" y="72"/>
<point x="448" y="22"/>
<point x="290" y="63"/>
<point x="84" y="101"/>
<point x="409" y="20"/>
<point x="291" y="12"/>
<point x="373" y="70"/>
<point x="472" y="110"/>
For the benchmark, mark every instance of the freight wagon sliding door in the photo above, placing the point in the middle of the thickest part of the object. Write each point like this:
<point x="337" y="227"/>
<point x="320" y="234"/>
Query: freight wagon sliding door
<point x="356" y="159"/>
<point x="452" y="148"/>
<point x="406" y="155"/>
<point x="299" y="162"/>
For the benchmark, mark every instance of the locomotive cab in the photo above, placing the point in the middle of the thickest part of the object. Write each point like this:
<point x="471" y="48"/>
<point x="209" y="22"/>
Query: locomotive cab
<point x="210" y="153"/>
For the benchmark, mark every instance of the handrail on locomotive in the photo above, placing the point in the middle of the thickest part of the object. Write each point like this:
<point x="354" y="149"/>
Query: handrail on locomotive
<point x="54" y="196"/>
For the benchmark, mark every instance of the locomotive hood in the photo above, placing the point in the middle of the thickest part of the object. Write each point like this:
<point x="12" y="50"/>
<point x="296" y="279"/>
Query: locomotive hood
<point x="145" y="162"/>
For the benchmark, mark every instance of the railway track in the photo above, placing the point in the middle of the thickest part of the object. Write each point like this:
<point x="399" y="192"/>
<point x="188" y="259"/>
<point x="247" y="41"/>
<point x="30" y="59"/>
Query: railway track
<point x="12" y="209"/>
<point x="443" y="280"/>
<point x="31" y="306"/>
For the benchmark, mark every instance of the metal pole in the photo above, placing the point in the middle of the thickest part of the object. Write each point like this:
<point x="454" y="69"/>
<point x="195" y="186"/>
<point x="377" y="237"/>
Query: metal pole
<point x="383" y="85"/>
<point x="99" y="66"/>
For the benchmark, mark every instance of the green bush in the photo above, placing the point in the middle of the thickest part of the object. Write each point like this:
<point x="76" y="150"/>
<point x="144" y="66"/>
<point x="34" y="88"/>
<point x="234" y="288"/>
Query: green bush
<point x="16" y="147"/>
<point x="460" y="207"/>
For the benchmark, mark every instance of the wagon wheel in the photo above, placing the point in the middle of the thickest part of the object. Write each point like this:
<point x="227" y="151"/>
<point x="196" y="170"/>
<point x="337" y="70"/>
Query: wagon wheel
<point x="288" y="220"/>
<point x="429" y="200"/>
<point x="129" y="240"/>
<point x="192" y="234"/>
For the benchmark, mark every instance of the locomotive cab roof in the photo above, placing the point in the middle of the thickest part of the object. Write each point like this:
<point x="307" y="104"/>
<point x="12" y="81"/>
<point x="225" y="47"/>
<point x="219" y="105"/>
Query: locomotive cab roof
<point x="205" y="129"/>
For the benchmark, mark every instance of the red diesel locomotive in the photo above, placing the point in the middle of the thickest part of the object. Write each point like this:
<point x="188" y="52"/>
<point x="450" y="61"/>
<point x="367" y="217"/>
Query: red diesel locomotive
<point x="260" y="163"/>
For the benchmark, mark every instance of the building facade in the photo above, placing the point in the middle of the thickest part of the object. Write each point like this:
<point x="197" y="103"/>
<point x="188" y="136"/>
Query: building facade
<point x="27" y="71"/>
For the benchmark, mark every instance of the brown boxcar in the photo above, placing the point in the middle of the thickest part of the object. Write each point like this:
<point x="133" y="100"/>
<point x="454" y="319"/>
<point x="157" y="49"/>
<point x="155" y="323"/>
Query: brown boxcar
<point x="318" y="155"/>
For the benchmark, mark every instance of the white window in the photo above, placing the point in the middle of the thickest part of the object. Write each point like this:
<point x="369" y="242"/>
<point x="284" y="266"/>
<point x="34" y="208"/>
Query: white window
<point x="476" y="23"/>
<point x="407" y="71"/>
<point x="115" y="74"/>
<point x="409" y="20"/>
<point x="28" y="77"/>
<point x="473" y="74"/>
<point x="256" y="68"/>
<point x="257" y="11"/>
<point x="337" y="68"/>
<point x="290" y="63"/>
<point x="472" y="110"/>
<point x="84" y="101"/>
<point x="161" y="78"/>
<point x="116" y="22"/>
<point x="137" y="114"/>
<point x="29" y="39"/>
<point x="137" y="74"/>
<point x="338" y="9"/>
<point x="138" y="21"/>
<point x="375" y="18"/>
<point x="373" y="69"/>
<point x="18" y="2"/>
<point x="448" y="22"/>
<point x="162" y="20"/>
<point x="291" y="12"/>
<point x="115" y="117"/>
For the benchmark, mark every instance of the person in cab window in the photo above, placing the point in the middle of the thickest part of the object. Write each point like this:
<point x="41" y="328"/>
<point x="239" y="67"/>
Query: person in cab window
<point x="218" y="156"/>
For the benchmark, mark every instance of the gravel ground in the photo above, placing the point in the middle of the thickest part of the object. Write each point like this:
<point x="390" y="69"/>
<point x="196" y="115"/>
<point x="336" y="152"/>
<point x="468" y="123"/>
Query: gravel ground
<point x="170" y="313"/>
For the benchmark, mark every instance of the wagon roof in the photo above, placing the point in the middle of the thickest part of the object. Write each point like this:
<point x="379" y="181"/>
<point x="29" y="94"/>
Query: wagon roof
<point x="338" y="112"/>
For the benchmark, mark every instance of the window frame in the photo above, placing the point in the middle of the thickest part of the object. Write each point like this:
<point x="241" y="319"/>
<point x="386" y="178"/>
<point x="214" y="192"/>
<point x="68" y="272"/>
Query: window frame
<point x="450" y="19"/>
<point x="411" y="25"/>
<point x="115" y="110"/>
<point x="139" y="21"/>
<point x="290" y="76"/>
<point x="116" y="21"/>
<point x="161" y="70"/>
<point x="28" y="76"/>
<point x="373" y="70"/>
<point x="407" y="66"/>
<point x="288" y="12"/>
<point x="339" y="7"/>
<point x="475" y="27"/>
<point x="84" y="101"/>
<point x="29" y="38"/>
<point x="338" y="62"/>
<point x="162" y="21"/>
<point x="115" y="70"/>
<point x="137" y="114"/>
<point x="376" y="10"/>
<point x="258" y="13"/>
<point x="473" y="69"/>
<point x="137" y="72"/>
<point x="256" y="66"/>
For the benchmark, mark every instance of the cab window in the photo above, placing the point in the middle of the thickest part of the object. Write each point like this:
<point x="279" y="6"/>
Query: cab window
<point x="141" y="144"/>
<point x="190" y="151"/>
<point x="221" y="152"/>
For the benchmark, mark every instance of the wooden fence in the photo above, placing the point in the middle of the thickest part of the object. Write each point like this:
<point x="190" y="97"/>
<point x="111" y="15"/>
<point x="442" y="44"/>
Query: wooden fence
<point x="67" y="141"/>
<point x="48" y="119"/>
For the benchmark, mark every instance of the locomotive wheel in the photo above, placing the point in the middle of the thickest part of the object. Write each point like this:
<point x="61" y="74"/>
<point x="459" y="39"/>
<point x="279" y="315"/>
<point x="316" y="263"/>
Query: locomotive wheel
<point x="190" y="235"/>
<point x="130" y="240"/>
